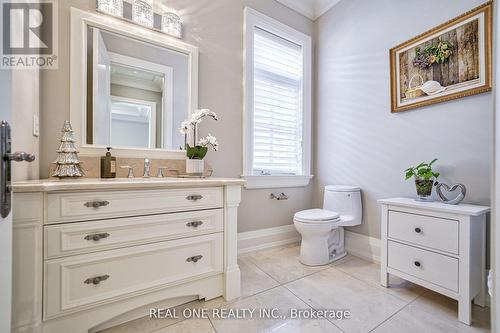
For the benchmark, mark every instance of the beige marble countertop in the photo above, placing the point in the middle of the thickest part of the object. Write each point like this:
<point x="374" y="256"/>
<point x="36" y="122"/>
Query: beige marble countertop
<point x="51" y="185"/>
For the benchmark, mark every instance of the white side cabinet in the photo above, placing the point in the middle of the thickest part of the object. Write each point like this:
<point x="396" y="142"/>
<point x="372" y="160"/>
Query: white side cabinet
<point x="438" y="246"/>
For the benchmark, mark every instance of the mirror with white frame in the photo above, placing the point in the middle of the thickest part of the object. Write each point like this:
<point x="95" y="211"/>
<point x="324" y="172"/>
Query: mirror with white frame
<point x="139" y="85"/>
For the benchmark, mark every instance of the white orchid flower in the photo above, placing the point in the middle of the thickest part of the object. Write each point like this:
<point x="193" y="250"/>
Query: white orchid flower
<point x="190" y="125"/>
<point x="202" y="113"/>
<point x="185" y="126"/>
<point x="209" y="140"/>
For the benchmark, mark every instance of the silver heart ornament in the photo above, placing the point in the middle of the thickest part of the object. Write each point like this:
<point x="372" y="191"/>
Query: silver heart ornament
<point x="455" y="201"/>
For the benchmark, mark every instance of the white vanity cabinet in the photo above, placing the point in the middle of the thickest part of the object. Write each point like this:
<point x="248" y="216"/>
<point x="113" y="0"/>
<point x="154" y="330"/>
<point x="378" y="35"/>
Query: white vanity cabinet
<point x="441" y="247"/>
<point x="87" y="252"/>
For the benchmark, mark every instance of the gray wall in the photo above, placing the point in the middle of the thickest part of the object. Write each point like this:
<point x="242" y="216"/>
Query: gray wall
<point x="216" y="27"/>
<point x="358" y="141"/>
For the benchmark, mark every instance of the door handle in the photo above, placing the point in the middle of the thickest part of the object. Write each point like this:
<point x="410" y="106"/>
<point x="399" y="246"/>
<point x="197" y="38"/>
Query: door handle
<point x="5" y="167"/>
<point x="20" y="156"/>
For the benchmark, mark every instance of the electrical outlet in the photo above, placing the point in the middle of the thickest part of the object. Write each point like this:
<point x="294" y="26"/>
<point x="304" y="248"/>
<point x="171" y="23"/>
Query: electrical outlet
<point x="36" y="125"/>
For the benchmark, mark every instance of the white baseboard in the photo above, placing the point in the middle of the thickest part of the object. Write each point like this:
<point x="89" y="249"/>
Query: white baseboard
<point x="356" y="244"/>
<point x="266" y="238"/>
<point x="362" y="246"/>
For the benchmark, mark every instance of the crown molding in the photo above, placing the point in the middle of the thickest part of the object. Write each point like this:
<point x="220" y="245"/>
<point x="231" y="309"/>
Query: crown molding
<point x="311" y="9"/>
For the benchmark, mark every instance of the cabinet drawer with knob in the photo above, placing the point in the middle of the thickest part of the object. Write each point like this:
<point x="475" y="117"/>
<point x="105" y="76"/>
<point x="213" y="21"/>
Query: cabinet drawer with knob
<point x="84" y="237"/>
<point x="432" y="267"/>
<point x="427" y="231"/>
<point x="78" y="282"/>
<point x="84" y="206"/>
<point x="438" y="246"/>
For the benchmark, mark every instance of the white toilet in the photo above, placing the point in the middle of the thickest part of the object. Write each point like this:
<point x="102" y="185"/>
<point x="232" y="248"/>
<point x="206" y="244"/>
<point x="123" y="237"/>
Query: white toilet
<point x="322" y="229"/>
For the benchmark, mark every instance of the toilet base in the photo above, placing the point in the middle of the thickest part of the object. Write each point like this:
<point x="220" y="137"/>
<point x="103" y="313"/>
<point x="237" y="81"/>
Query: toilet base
<point x="333" y="259"/>
<point x="321" y="244"/>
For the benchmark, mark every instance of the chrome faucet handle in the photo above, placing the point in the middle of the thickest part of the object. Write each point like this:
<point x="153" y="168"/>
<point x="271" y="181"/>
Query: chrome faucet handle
<point x="130" y="170"/>
<point x="147" y="168"/>
<point x="160" y="171"/>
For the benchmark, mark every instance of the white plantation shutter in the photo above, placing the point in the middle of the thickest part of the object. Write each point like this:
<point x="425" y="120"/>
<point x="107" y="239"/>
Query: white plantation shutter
<point x="277" y="105"/>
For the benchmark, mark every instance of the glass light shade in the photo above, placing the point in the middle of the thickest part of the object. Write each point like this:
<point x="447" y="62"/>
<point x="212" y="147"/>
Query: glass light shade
<point x="142" y="12"/>
<point x="171" y="24"/>
<point x="112" y="7"/>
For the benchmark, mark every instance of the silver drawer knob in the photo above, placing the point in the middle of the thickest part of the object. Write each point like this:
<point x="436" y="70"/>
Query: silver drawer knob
<point x="96" y="280"/>
<point x="97" y="237"/>
<point x="194" y="224"/>
<point x="194" y="258"/>
<point x="194" y="197"/>
<point x="96" y="204"/>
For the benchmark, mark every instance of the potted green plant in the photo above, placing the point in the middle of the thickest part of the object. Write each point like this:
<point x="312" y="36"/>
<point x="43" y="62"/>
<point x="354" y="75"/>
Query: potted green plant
<point x="196" y="152"/>
<point x="424" y="178"/>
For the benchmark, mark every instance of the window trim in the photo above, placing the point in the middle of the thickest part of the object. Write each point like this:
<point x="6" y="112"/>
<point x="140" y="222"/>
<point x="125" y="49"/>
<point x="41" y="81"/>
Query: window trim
<point x="254" y="19"/>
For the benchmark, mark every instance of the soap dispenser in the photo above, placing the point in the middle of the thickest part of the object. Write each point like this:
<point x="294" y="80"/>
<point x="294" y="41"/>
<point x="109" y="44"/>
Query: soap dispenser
<point x="108" y="165"/>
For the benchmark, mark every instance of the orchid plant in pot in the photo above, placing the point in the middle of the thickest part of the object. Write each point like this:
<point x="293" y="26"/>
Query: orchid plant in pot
<point x="198" y="150"/>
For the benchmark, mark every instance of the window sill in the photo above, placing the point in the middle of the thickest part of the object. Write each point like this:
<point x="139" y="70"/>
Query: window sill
<point x="256" y="182"/>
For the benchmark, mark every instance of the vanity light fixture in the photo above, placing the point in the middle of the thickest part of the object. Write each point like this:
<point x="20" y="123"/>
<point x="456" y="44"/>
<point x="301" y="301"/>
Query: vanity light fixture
<point x="171" y="24"/>
<point x="142" y="12"/>
<point x="111" y="7"/>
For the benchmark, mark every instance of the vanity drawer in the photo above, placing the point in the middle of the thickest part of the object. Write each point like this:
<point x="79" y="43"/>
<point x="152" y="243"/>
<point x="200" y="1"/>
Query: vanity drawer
<point x="67" y="207"/>
<point x="78" y="282"/>
<point x="84" y="237"/>
<point x="432" y="267"/>
<point x="432" y="232"/>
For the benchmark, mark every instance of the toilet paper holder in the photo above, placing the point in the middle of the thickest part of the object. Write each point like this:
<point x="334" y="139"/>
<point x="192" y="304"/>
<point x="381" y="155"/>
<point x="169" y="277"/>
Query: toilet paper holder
<point x="278" y="196"/>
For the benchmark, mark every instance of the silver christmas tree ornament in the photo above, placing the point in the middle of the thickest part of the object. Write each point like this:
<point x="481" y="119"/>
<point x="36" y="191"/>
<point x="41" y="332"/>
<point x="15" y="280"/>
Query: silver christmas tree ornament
<point x="67" y="162"/>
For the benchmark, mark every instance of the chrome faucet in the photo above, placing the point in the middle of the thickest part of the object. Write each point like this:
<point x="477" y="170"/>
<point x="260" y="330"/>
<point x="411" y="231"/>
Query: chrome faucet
<point x="147" y="168"/>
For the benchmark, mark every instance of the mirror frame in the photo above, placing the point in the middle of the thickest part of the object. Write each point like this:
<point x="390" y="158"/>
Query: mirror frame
<point x="78" y="84"/>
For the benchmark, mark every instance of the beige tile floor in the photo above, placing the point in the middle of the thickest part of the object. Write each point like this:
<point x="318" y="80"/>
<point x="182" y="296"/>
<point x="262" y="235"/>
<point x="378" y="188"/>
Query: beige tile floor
<point x="274" y="278"/>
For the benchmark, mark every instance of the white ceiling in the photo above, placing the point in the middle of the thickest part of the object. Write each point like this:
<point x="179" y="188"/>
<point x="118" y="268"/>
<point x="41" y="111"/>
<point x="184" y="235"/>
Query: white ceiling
<point x="310" y="8"/>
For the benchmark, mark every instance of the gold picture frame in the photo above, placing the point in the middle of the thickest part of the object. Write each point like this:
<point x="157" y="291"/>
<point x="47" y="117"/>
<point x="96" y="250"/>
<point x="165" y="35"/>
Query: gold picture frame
<point x="451" y="61"/>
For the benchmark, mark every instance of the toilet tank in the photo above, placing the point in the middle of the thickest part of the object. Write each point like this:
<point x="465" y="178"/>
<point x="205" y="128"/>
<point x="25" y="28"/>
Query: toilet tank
<point x="345" y="200"/>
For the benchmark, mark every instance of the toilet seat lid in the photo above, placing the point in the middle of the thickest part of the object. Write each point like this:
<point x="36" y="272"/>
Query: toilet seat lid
<point x="317" y="215"/>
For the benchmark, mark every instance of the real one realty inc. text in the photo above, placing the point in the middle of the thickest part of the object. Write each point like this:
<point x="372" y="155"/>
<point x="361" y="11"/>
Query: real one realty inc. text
<point x="249" y="313"/>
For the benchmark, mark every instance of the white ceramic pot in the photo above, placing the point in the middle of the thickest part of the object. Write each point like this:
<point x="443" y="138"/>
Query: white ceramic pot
<point x="195" y="167"/>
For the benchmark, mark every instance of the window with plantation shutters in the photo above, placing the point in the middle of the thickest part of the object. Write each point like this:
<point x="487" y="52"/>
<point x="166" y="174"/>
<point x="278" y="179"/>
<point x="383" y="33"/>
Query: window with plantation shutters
<point x="277" y="103"/>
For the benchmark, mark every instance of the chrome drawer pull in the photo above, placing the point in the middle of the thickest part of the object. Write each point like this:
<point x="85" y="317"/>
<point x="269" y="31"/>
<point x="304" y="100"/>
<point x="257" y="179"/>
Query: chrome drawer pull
<point x="194" y="258"/>
<point x="96" y="280"/>
<point x="417" y="263"/>
<point x="194" y="197"/>
<point x="97" y="237"/>
<point x="418" y="230"/>
<point x="96" y="204"/>
<point x="194" y="224"/>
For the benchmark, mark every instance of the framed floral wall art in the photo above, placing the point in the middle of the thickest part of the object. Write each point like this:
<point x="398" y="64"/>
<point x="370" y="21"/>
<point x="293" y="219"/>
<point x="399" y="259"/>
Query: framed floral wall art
<point x="450" y="61"/>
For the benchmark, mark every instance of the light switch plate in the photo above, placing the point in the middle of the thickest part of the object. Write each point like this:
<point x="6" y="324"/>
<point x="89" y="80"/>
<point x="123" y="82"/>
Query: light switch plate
<point x="36" y="125"/>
